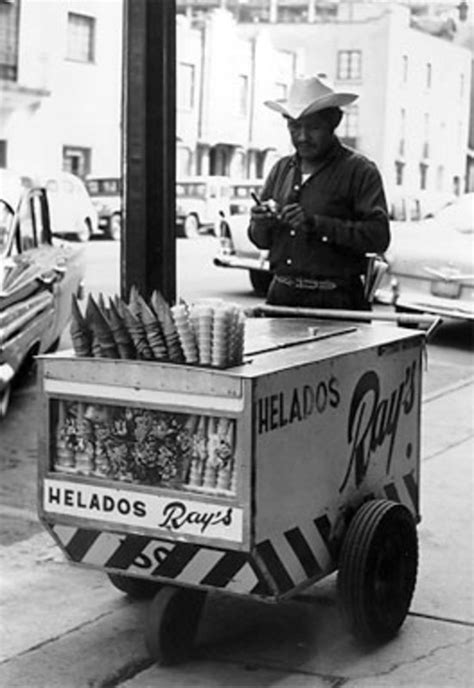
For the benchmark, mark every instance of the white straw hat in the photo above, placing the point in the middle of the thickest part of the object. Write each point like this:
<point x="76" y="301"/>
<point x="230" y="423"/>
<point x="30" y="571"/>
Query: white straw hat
<point x="308" y="95"/>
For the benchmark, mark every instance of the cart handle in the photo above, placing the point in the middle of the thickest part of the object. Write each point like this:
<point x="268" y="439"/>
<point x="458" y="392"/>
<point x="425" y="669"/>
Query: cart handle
<point x="339" y="314"/>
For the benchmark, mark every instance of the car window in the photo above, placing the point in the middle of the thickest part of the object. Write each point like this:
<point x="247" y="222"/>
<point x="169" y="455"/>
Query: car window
<point x="93" y="186"/>
<point x="26" y="230"/>
<point x="6" y="218"/>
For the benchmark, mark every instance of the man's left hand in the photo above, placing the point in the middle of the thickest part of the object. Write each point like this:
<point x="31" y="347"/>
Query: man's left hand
<point x="294" y="215"/>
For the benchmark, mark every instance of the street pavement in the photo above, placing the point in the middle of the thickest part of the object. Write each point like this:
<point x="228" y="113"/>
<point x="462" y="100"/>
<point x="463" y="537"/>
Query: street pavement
<point x="67" y="627"/>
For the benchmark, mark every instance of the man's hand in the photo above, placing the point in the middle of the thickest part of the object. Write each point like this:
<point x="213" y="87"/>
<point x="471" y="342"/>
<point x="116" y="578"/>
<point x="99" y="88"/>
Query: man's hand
<point x="263" y="215"/>
<point x="294" y="215"/>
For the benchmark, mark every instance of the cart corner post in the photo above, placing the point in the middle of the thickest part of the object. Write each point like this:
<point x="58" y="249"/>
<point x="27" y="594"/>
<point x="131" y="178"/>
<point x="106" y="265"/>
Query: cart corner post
<point x="148" y="250"/>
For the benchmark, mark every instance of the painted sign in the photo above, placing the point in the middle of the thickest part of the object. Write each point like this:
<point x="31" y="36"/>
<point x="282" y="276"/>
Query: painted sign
<point x="167" y="514"/>
<point x="374" y="419"/>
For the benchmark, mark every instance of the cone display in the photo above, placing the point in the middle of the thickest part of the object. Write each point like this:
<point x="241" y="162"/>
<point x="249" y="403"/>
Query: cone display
<point x="170" y="333"/>
<point x="185" y="333"/>
<point x="121" y="335"/>
<point x="137" y="332"/>
<point x="81" y="334"/>
<point x="153" y="331"/>
<point x="208" y="333"/>
<point x="101" y="330"/>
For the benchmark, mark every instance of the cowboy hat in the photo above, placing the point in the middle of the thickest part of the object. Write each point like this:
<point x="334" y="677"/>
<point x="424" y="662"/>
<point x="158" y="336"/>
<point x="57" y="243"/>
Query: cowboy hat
<point x="308" y="95"/>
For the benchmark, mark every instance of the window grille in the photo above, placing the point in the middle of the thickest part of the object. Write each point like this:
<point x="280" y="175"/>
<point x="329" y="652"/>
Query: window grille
<point x="80" y="38"/>
<point x="349" y="64"/>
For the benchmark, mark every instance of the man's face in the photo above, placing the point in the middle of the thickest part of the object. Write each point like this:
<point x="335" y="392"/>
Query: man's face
<point x="311" y="136"/>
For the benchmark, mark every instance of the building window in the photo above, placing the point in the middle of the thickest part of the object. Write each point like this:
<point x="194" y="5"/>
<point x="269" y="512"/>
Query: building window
<point x="350" y="122"/>
<point x="401" y="143"/>
<point x="423" y="175"/>
<point x="242" y="94"/>
<point x="428" y="75"/>
<point x="426" y="136"/>
<point x="9" y="17"/>
<point x="77" y="160"/>
<point x="80" y="38"/>
<point x="3" y="153"/>
<point x="185" y="83"/>
<point x="399" y="168"/>
<point x="349" y="63"/>
<point x="405" y="68"/>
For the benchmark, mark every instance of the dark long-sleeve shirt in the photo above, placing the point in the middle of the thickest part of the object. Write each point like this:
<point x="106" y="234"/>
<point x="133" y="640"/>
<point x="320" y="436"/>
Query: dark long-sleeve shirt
<point x="345" y="202"/>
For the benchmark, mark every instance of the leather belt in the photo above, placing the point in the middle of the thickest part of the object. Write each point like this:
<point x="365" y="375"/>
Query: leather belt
<point x="305" y="283"/>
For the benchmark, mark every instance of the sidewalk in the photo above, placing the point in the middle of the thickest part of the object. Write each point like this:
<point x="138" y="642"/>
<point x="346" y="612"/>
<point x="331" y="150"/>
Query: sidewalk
<point x="66" y="627"/>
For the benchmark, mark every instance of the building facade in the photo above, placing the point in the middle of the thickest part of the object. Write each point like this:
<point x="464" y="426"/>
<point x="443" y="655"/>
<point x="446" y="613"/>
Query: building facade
<point x="412" y="116"/>
<point x="60" y="87"/>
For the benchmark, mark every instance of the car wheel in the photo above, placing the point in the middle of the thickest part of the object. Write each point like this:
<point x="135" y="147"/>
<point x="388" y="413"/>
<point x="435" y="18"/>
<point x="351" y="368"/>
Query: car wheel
<point x="85" y="233"/>
<point x="5" y="400"/>
<point x="260" y="281"/>
<point x="115" y="227"/>
<point x="191" y="227"/>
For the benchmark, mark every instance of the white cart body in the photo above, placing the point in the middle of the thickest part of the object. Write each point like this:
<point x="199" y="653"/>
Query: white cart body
<point x="326" y="416"/>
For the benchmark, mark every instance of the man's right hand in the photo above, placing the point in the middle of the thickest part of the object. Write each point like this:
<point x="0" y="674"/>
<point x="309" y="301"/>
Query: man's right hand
<point x="263" y="215"/>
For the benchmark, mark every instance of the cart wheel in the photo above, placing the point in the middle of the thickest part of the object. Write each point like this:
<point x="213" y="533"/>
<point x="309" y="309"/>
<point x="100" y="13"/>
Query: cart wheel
<point x="172" y="623"/>
<point x="377" y="571"/>
<point x="138" y="588"/>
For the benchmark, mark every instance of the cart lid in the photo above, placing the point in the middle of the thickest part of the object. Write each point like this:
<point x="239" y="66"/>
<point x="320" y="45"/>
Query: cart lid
<point x="270" y="334"/>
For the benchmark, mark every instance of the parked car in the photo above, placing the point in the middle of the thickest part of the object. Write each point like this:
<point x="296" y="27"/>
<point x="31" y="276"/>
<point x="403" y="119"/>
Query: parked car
<point x="105" y="193"/>
<point x="72" y="212"/>
<point x="199" y="203"/>
<point x="38" y="276"/>
<point x="235" y="248"/>
<point x="241" y="191"/>
<point x="237" y="251"/>
<point x="431" y="263"/>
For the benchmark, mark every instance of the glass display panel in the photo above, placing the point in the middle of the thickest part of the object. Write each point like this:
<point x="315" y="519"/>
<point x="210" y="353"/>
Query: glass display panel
<point x="143" y="446"/>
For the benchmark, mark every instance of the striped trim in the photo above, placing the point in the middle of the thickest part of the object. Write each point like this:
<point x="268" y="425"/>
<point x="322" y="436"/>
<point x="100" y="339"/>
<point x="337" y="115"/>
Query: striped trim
<point x="303" y="552"/>
<point x="392" y="493"/>
<point x="315" y="545"/>
<point x="412" y="489"/>
<point x="275" y="566"/>
<point x="323" y="526"/>
<point x="179" y="562"/>
<point x="278" y="565"/>
<point x="128" y="550"/>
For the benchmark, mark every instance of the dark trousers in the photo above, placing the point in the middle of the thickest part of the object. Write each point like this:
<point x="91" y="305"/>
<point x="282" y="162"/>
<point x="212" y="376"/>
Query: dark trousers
<point x="347" y="295"/>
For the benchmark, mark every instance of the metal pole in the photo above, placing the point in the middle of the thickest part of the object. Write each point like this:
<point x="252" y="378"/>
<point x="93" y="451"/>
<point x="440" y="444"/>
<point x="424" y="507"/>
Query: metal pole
<point x="339" y="314"/>
<point x="148" y="248"/>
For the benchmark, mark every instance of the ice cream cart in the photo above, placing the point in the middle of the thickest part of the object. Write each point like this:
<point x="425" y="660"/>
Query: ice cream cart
<point x="254" y="480"/>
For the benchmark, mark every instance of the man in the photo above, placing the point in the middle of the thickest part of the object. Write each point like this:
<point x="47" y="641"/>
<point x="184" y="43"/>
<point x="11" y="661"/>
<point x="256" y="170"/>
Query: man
<point x="323" y="208"/>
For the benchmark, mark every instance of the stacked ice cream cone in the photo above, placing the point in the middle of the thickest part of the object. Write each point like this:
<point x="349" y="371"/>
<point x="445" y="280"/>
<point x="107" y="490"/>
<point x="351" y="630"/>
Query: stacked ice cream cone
<point x="208" y="333"/>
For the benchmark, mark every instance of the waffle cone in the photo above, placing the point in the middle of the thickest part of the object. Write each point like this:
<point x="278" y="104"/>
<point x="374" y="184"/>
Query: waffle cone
<point x="81" y="334"/>
<point x="137" y="332"/>
<point x="153" y="331"/>
<point x="121" y="335"/>
<point x="168" y="328"/>
<point x="101" y="330"/>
